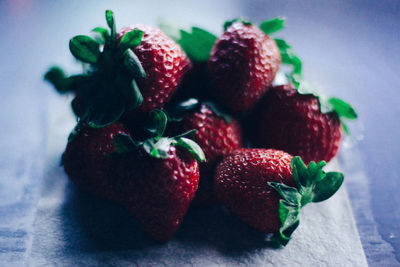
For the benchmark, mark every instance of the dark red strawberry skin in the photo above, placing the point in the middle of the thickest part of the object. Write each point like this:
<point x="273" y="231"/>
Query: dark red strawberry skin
<point x="158" y="192"/>
<point x="217" y="138"/>
<point x="88" y="162"/>
<point x="241" y="185"/>
<point x="195" y="84"/>
<point x="292" y="122"/>
<point x="165" y="65"/>
<point x="242" y="66"/>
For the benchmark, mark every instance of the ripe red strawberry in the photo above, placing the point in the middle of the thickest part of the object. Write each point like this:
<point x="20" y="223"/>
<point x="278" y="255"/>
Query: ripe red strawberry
<point x="135" y="70"/>
<point x="293" y="122"/>
<point x="158" y="177"/>
<point x="87" y="159"/>
<point x="158" y="192"/>
<point x="266" y="188"/>
<point x="218" y="136"/>
<point x="165" y="65"/>
<point x="242" y="65"/>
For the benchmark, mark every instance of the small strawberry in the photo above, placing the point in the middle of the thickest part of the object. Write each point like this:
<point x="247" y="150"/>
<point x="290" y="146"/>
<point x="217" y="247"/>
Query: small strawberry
<point x="87" y="159"/>
<point x="158" y="177"/>
<point x="266" y="188"/>
<point x="217" y="134"/>
<point x="137" y="69"/>
<point x="242" y="65"/>
<point x="293" y="122"/>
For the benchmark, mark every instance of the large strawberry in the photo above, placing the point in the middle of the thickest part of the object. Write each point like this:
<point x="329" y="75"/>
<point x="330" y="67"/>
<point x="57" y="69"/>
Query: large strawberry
<point x="266" y="188"/>
<point x="218" y="134"/>
<point x="242" y="65"/>
<point x="88" y="159"/>
<point x="135" y="70"/>
<point x="293" y="122"/>
<point x="158" y="177"/>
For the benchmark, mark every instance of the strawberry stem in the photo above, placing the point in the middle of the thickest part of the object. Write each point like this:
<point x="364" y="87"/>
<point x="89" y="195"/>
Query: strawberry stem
<point x="313" y="185"/>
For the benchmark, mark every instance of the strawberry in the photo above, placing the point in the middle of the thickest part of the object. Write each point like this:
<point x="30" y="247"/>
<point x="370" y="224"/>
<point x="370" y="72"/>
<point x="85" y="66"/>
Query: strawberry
<point x="217" y="134"/>
<point x="164" y="62"/>
<point x="158" y="177"/>
<point x="87" y="159"/>
<point x="293" y="122"/>
<point x="266" y="188"/>
<point x="242" y="65"/>
<point x="129" y="72"/>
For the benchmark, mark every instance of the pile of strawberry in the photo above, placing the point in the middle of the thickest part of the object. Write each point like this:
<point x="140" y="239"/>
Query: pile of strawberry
<point x="163" y="122"/>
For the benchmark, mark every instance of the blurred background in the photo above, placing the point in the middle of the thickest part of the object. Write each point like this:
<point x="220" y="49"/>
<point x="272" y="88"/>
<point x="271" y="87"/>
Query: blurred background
<point x="350" y="49"/>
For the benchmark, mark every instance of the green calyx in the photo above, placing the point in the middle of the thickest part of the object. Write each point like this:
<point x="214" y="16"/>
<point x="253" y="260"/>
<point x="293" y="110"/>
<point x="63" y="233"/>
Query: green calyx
<point x="156" y="145"/>
<point x="288" y="56"/>
<point x="272" y="25"/>
<point x="109" y="86"/>
<point x="344" y="110"/>
<point x="196" y="42"/>
<point x="229" y="23"/>
<point x="312" y="185"/>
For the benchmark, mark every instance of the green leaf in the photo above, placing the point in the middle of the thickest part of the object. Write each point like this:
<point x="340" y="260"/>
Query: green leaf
<point x="345" y="128"/>
<point x="110" y="19"/>
<point x="192" y="147"/>
<point x="132" y="63"/>
<point x="300" y="173"/>
<point x="177" y="112"/>
<point x="314" y="184"/>
<point x="170" y="28"/>
<point x="157" y="123"/>
<point x="64" y="84"/>
<point x="124" y="143"/>
<point x="228" y="23"/>
<point x="136" y="95"/>
<point x="131" y="39"/>
<point x="56" y="76"/>
<point x="103" y="33"/>
<point x="289" y="217"/>
<point x="273" y="25"/>
<point x="295" y="61"/>
<point x="343" y="109"/>
<point x="111" y="24"/>
<point x="158" y="149"/>
<point x="289" y="57"/>
<point x="197" y="44"/>
<point x="288" y="193"/>
<point x="282" y="45"/>
<point x="328" y="186"/>
<point x="84" y="48"/>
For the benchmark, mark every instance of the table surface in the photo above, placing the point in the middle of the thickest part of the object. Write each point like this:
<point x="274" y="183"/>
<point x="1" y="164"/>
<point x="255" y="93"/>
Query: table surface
<point x="350" y="49"/>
